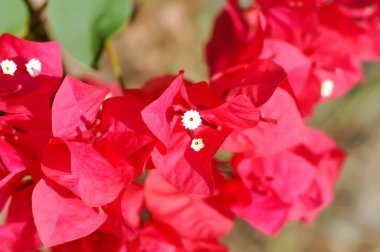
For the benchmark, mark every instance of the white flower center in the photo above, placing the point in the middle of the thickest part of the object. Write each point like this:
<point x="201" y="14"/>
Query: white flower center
<point x="8" y="67"/>
<point x="197" y="144"/>
<point x="327" y="88"/>
<point x="191" y="119"/>
<point x="34" y="67"/>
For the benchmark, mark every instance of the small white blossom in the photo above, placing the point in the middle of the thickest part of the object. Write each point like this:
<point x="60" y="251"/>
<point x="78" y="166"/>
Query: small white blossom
<point x="191" y="119"/>
<point x="327" y="88"/>
<point x="197" y="144"/>
<point x="8" y="67"/>
<point x="34" y="67"/>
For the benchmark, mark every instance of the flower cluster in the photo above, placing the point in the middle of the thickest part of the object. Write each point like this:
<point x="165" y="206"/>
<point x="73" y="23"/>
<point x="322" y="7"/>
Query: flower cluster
<point x="319" y="43"/>
<point x="169" y="166"/>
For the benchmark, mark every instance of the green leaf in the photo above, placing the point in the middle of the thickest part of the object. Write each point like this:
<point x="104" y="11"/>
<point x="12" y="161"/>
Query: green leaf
<point x="14" y="17"/>
<point x="82" y="26"/>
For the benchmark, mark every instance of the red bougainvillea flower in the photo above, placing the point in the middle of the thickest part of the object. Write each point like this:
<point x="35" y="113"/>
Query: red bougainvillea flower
<point x="280" y="121"/>
<point x="81" y="169"/>
<point x="333" y="62"/>
<point x="165" y="117"/>
<point x="293" y="184"/>
<point x="327" y="158"/>
<point x="353" y="19"/>
<point x="190" y="123"/>
<point x="101" y="146"/>
<point x="250" y="44"/>
<point x="321" y="66"/>
<point x="84" y="168"/>
<point x="115" y="233"/>
<point x="95" y="143"/>
<point x="357" y="22"/>
<point x="198" y="220"/>
<point x="28" y="72"/>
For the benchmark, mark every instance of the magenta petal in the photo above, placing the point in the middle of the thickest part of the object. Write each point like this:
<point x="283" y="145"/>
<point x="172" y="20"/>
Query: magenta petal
<point x="188" y="214"/>
<point x="257" y="80"/>
<point x="264" y="213"/>
<point x="186" y="169"/>
<point x="61" y="217"/>
<point x="75" y="105"/>
<point x="239" y="113"/>
<point x="158" y="115"/>
<point x="83" y="170"/>
<point x="48" y="53"/>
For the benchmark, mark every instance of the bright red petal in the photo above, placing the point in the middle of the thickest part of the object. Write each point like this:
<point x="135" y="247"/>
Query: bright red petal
<point x="61" y="217"/>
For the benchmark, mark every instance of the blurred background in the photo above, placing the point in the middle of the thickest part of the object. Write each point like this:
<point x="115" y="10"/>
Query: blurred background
<point x="164" y="36"/>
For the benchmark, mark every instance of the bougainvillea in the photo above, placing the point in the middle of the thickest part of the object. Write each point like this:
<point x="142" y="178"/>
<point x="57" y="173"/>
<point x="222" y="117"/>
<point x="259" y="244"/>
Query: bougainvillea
<point x="86" y="169"/>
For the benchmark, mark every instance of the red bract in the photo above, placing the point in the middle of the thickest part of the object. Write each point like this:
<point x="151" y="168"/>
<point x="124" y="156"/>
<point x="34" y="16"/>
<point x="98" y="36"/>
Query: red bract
<point x="327" y="158"/>
<point x="293" y="184"/>
<point x="9" y="181"/>
<point x="280" y="122"/>
<point x="22" y="141"/>
<point x="37" y="74"/>
<point x="233" y="41"/>
<point x="276" y="182"/>
<point x="322" y="64"/>
<point x="126" y="140"/>
<point x="184" y="167"/>
<point x="331" y="56"/>
<point x="192" y="216"/>
<point x="257" y="80"/>
<point x="83" y="170"/>
<point x="75" y="108"/>
<point x="197" y="220"/>
<point x="157" y="236"/>
<point x="19" y="233"/>
<point x="61" y="217"/>
<point x="266" y="213"/>
<point x="357" y="22"/>
<point x="123" y="213"/>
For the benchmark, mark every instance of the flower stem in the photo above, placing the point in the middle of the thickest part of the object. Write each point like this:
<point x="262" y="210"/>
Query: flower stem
<point x="115" y="64"/>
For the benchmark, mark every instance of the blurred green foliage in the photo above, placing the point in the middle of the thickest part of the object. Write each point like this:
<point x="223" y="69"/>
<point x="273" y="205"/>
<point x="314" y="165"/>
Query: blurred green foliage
<point x="14" y="17"/>
<point x="82" y="26"/>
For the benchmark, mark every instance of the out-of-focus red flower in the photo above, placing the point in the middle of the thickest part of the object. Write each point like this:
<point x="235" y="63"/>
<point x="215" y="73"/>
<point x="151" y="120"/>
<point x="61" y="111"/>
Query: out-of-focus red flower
<point x="293" y="184"/>
<point x="192" y="216"/>
<point x="260" y="82"/>
<point x="358" y="23"/>
<point x="198" y="220"/>
<point x="318" y="53"/>
<point x="327" y="158"/>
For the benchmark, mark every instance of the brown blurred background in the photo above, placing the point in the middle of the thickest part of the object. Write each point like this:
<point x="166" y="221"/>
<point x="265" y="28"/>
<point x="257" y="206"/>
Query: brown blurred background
<point x="168" y="35"/>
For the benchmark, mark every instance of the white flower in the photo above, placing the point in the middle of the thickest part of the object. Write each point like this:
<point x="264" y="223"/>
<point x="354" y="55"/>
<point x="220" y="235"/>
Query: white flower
<point x="191" y="119"/>
<point x="34" y="67"/>
<point x="8" y="67"/>
<point x="197" y="144"/>
<point x="327" y="88"/>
